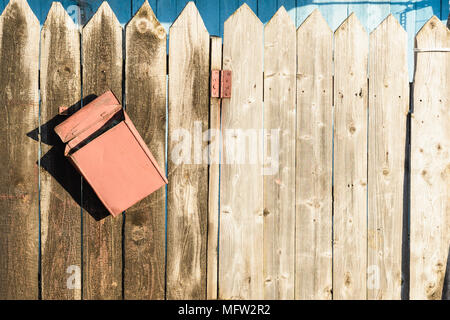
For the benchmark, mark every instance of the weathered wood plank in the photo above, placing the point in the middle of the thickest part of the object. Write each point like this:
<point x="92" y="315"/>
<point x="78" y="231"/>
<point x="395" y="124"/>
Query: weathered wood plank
<point x="187" y="199"/>
<point x="388" y="109"/>
<point x="314" y="159"/>
<point x="19" y="95"/>
<point x="60" y="183"/>
<point x="241" y="195"/>
<point x="214" y="173"/>
<point x="145" y="86"/>
<point x="430" y="163"/>
<point x="350" y="161"/>
<point x="279" y="156"/>
<point x="102" y="234"/>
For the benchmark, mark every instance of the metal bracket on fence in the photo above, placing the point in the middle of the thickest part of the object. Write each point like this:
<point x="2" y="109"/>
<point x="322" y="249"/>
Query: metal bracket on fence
<point x="221" y="84"/>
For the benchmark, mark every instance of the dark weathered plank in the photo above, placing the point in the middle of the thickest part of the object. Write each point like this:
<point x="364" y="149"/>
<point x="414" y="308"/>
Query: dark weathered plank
<point x="19" y="96"/>
<point x="102" y="234"/>
<point x="187" y="168"/>
<point x="241" y="194"/>
<point x="145" y="88"/>
<point x="60" y="183"/>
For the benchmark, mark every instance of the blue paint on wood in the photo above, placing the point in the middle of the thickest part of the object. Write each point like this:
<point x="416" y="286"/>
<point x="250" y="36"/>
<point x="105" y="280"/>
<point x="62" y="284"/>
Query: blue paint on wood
<point x="3" y="4"/>
<point x="334" y="11"/>
<point x="445" y="11"/>
<point x="180" y="5"/>
<point x="303" y="10"/>
<point x="371" y="13"/>
<point x="210" y="12"/>
<point x="227" y="7"/>
<point x="166" y="12"/>
<point x="425" y="9"/>
<point x="267" y="10"/>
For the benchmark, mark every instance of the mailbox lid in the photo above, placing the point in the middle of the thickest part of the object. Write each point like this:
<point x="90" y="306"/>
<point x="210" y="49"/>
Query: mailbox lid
<point x="97" y="112"/>
<point x="119" y="168"/>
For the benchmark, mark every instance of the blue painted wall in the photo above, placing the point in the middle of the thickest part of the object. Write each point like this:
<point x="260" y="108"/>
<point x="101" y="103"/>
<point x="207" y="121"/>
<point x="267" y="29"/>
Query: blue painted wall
<point x="411" y="14"/>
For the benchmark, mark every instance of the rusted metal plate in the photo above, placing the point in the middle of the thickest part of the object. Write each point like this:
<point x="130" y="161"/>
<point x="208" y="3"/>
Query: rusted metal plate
<point x="225" y="81"/>
<point x="107" y="150"/>
<point x="215" y="83"/>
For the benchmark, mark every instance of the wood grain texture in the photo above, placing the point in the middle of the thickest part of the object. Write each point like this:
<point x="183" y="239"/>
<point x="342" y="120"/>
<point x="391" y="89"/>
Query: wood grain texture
<point x="279" y="156"/>
<point x="350" y="161"/>
<point x="187" y="199"/>
<point x="388" y="109"/>
<point x="144" y="247"/>
<point x="313" y="275"/>
<point x="241" y="195"/>
<point x="430" y="163"/>
<point x="19" y="95"/>
<point x="102" y="234"/>
<point x="60" y="183"/>
<point x="214" y="173"/>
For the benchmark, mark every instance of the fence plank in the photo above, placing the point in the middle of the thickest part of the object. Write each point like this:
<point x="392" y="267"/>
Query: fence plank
<point x="214" y="172"/>
<point x="389" y="105"/>
<point x="60" y="183"/>
<point x="241" y="195"/>
<point x="350" y="161"/>
<point x="314" y="159"/>
<point x="102" y="234"/>
<point x="430" y="163"/>
<point x="188" y="171"/>
<point x="279" y="156"/>
<point x="144" y="246"/>
<point x="19" y="221"/>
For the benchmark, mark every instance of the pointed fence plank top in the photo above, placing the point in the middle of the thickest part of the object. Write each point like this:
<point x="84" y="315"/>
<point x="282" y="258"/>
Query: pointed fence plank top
<point x="60" y="211"/>
<point x="241" y="197"/>
<point x="430" y="163"/>
<point x="314" y="159"/>
<point x="19" y="96"/>
<point x="388" y="108"/>
<point x="350" y="160"/>
<point x="187" y="199"/>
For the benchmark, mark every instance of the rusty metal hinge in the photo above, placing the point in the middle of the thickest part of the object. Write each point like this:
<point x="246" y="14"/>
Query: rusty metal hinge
<point x="221" y="84"/>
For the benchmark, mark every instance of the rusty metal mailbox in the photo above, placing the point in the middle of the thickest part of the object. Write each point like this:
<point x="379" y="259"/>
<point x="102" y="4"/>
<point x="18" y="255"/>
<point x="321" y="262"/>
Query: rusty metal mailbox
<point x="105" y="147"/>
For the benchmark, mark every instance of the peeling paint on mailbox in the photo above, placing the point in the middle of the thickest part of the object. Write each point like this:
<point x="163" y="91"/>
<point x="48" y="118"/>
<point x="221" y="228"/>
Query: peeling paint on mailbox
<point x="105" y="147"/>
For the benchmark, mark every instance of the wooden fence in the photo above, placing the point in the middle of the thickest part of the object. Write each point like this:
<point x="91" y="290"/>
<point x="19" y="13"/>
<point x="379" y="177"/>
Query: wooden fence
<point x="326" y="211"/>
